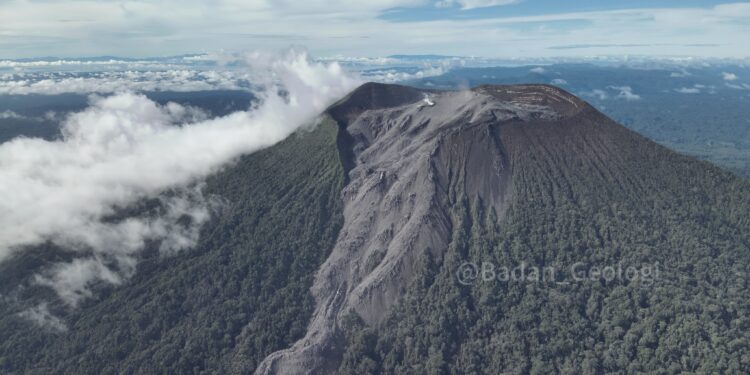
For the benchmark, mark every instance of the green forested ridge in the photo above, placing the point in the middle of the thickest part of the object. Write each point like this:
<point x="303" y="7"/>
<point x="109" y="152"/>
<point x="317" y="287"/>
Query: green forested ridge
<point x="601" y="197"/>
<point x="221" y="307"/>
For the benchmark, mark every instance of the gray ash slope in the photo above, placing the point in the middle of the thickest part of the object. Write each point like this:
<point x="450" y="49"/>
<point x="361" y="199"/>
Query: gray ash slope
<point x="413" y="156"/>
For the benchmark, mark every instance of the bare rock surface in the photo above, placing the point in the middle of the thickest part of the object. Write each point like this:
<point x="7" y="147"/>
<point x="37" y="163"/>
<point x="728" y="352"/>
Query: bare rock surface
<point x="407" y="152"/>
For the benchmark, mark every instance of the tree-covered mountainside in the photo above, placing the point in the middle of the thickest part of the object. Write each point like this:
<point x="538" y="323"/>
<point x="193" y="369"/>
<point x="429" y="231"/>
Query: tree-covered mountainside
<point x="585" y="191"/>
<point x="221" y="307"/>
<point x="344" y="249"/>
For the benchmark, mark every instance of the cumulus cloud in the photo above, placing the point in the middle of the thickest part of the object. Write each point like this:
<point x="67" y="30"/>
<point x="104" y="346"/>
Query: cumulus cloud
<point x="729" y="76"/>
<point x="625" y="93"/>
<point x="696" y="89"/>
<point x="621" y="92"/>
<point x="8" y="114"/>
<point x="688" y="90"/>
<point x="398" y="75"/>
<point x="215" y="71"/>
<point x="596" y="93"/>
<point x="559" y="81"/>
<point x="125" y="148"/>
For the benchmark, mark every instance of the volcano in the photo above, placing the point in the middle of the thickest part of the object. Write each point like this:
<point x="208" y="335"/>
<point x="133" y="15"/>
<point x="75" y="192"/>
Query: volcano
<point x="400" y="236"/>
<point x="504" y="175"/>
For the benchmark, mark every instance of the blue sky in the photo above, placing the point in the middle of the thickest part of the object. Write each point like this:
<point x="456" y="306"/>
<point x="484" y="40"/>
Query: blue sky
<point x="434" y="10"/>
<point x="489" y="28"/>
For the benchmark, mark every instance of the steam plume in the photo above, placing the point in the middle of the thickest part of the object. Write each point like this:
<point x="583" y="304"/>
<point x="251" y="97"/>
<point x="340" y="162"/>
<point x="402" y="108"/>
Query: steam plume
<point x="125" y="148"/>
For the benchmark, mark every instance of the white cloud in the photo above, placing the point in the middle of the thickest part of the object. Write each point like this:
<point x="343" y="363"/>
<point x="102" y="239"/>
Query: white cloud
<point x="71" y="280"/>
<point x="743" y="86"/>
<point x="397" y="70"/>
<point x="216" y="71"/>
<point x="688" y="90"/>
<point x="559" y="81"/>
<point x="729" y="76"/>
<point x="396" y="75"/>
<point x="473" y="4"/>
<point x="67" y="63"/>
<point x="48" y="83"/>
<point x="625" y="92"/>
<point x="41" y="316"/>
<point x="596" y="93"/>
<point x="622" y="92"/>
<point x="125" y="148"/>
<point x="8" y="114"/>
<point x="537" y="70"/>
<point x="359" y="28"/>
<point x="114" y="245"/>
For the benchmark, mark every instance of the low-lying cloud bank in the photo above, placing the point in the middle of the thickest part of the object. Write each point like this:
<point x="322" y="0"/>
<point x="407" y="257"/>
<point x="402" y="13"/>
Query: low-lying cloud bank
<point x="621" y="92"/>
<point x="41" y="316"/>
<point x="125" y="148"/>
<point x="182" y="80"/>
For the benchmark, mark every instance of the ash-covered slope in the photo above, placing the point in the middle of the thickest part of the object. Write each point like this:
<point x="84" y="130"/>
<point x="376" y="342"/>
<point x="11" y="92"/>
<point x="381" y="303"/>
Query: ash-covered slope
<point x="415" y="156"/>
